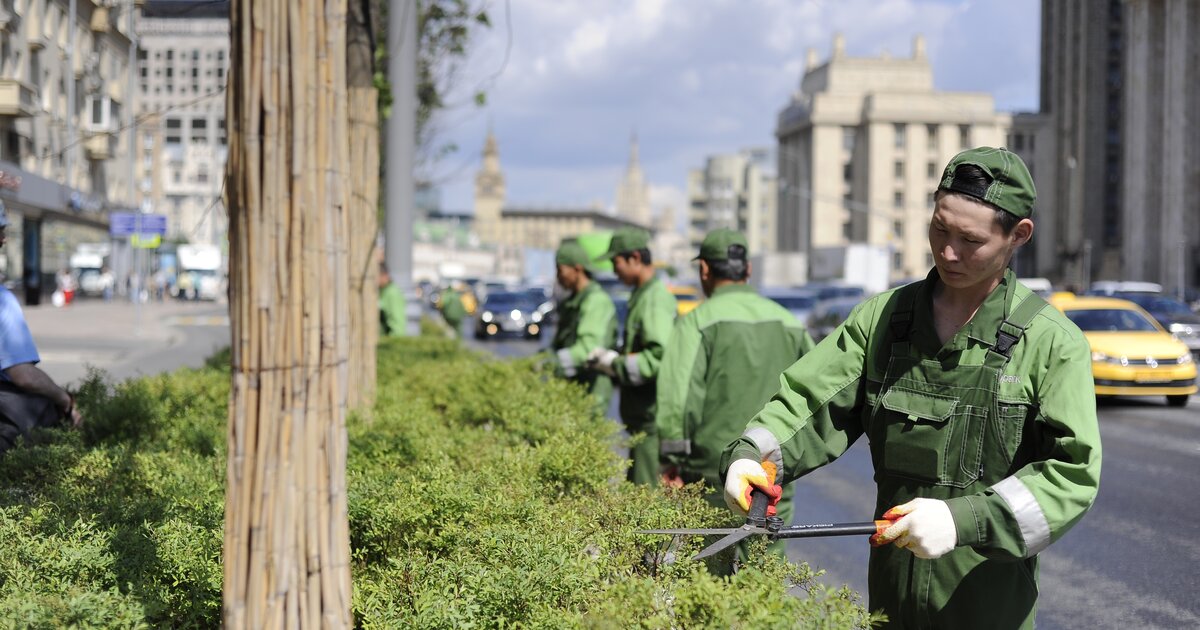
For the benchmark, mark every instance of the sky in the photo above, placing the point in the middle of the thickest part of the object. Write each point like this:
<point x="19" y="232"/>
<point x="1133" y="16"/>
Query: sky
<point x="569" y="81"/>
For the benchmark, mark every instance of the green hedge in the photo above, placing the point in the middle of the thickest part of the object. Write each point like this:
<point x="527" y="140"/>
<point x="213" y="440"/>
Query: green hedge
<point x="482" y="495"/>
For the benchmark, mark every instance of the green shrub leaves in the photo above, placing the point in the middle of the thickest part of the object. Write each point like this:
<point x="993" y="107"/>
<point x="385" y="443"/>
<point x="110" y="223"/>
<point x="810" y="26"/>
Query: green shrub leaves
<point x="483" y="494"/>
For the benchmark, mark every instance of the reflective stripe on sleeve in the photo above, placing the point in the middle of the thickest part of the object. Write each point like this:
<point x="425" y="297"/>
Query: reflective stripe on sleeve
<point x="564" y="359"/>
<point x="632" y="371"/>
<point x="1034" y="527"/>
<point x="672" y="447"/>
<point x="768" y="446"/>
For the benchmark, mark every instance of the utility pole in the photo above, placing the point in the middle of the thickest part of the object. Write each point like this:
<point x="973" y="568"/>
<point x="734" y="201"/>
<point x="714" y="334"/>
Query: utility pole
<point x="401" y="141"/>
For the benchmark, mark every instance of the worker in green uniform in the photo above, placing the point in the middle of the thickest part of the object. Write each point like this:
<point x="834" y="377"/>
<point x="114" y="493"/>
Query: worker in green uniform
<point x="978" y="402"/>
<point x="392" y="306"/>
<point x="453" y="310"/>
<point x="722" y="365"/>
<point x="587" y="320"/>
<point x="635" y="365"/>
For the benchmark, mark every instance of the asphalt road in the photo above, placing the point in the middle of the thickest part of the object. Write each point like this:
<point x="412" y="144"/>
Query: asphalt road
<point x="1130" y="563"/>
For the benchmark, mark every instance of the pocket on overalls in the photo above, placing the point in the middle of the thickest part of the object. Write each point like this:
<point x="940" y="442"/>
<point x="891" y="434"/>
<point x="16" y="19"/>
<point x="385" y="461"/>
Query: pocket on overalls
<point x="1010" y="427"/>
<point x="932" y="438"/>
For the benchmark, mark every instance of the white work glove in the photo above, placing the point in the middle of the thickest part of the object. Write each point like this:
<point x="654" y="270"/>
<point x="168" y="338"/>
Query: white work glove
<point x="601" y="360"/>
<point x="922" y="526"/>
<point x="745" y="474"/>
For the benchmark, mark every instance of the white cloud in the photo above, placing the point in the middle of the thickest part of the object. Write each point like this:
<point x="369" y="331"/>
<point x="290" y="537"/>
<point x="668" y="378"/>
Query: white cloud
<point x="697" y="78"/>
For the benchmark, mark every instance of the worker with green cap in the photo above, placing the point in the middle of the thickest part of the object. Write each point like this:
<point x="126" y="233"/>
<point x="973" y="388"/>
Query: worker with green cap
<point x="635" y="364"/>
<point x="979" y="406"/>
<point x="722" y="365"/>
<point x="587" y="320"/>
<point x="453" y="309"/>
<point x="393" y="318"/>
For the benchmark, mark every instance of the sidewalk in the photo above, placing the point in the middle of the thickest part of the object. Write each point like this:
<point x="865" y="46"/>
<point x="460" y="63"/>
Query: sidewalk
<point x="125" y="339"/>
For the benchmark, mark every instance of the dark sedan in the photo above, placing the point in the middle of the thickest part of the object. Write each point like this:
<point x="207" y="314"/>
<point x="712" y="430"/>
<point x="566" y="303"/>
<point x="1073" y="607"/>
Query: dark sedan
<point x="508" y="313"/>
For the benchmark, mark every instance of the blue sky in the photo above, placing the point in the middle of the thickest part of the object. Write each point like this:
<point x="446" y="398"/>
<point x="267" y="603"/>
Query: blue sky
<point x="694" y="78"/>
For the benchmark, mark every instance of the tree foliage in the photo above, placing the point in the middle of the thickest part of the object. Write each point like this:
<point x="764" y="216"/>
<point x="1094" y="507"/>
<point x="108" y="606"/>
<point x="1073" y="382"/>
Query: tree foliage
<point x="445" y="29"/>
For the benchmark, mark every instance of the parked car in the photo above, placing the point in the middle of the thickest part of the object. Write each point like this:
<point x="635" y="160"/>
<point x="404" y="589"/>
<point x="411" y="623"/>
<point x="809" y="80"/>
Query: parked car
<point x="1132" y="355"/>
<point x="1171" y="314"/>
<point x="827" y="315"/>
<point x="508" y="313"/>
<point x="798" y="302"/>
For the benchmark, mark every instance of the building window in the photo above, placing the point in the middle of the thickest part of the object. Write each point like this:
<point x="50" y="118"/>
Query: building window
<point x="202" y="176"/>
<point x="897" y="261"/>
<point x="931" y="132"/>
<point x="848" y="230"/>
<point x="898" y="229"/>
<point x="898" y="199"/>
<point x="199" y="133"/>
<point x="170" y="54"/>
<point x="964" y="136"/>
<point x="931" y="170"/>
<point x="848" y="138"/>
<point x="221" y="131"/>
<point x="176" y="175"/>
<point x="174" y="133"/>
<point x="930" y="199"/>
<point x="899" y="131"/>
<point x="899" y="169"/>
<point x="848" y="172"/>
<point x="195" y="55"/>
<point x="1018" y="142"/>
<point x="929" y="260"/>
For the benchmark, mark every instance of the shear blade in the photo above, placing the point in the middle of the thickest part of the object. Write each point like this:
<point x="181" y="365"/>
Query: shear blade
<point x="718" y="531"/>
<point x="727" y="542"/>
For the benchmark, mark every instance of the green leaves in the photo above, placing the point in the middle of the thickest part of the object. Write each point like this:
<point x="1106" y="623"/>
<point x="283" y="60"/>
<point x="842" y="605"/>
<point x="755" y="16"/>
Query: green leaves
<point x="481" y="495"/>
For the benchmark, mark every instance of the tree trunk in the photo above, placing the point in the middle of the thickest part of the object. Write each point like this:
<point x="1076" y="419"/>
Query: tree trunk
<point x="363" y="201"/>
<point x="286" y="553"/>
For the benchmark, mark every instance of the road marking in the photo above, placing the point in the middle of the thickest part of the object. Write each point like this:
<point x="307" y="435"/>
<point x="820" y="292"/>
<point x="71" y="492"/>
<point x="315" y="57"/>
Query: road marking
<point x="198" y="320"/>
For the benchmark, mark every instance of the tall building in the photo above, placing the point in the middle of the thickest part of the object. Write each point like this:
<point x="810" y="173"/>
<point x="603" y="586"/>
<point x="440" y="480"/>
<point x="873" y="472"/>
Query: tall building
<point x="633" y="196"/>
<point x="1161" y="131"/>
<point x="512" y="230"/>
<point x="1120" y="103"/>
<point x="65" y="101"/>
<point x="1078" y="232"/>
<point x="735" y="191"/>
<point x="183" y="62"/>
<point x="862" y="145"/>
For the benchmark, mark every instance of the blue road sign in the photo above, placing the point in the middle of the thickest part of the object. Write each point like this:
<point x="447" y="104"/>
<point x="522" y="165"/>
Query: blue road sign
<point x="129" y="223"/>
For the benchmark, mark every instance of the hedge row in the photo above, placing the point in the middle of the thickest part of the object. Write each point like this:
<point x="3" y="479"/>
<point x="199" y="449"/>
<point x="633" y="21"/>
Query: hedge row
<point x="482" y="495"/>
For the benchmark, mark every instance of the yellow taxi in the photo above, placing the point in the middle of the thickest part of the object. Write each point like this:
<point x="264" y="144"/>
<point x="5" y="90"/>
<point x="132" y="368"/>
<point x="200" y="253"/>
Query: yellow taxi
<point x="1131" y="354"/>
<point x="686" y="298"/>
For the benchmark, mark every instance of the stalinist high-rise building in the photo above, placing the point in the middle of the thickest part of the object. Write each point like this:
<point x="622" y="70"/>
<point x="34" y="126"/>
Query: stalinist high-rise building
<point x="489" y="193"/>
<point x="633" y="197"/>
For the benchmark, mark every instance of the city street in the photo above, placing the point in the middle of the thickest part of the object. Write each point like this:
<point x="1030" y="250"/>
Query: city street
<point x="1131" y="562"/>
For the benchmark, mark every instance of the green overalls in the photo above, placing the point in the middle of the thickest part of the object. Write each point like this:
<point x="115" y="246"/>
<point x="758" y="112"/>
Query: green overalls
<point x="999" y="422"/>
<point x="648" y="325"/>
<point x="936" y="432"/>
<point x="587" y="320"/>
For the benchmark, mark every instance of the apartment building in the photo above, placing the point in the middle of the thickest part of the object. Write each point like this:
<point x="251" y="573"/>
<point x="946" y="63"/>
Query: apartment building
<point x="861" y="147"/>
<point x="65" y="104"/>
<point x="182" y="68"/>
<point x="735" y="191"/>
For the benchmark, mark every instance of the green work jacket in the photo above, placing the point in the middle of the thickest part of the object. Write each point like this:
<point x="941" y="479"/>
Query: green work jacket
<point x="1010" y="443"/>
<point x="587" y="320"/>
<point x="452" y="307"/>
<point x="392" y="317"/>
<point x="648" y="325"/>
<point x="722" y="365"/>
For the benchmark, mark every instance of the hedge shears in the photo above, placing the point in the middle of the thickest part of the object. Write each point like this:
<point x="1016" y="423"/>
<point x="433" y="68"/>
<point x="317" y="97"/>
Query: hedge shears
<point x="758" y="523"/>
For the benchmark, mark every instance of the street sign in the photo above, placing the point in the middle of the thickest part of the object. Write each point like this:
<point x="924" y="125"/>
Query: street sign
<point x="145" y="241"/>
<point x="130" y="223"/>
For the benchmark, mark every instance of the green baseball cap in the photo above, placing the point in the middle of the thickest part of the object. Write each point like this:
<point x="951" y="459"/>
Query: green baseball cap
<point x="716" y="244"/>
<point x="571" y="253"/>
<point x="1011" y="188"/>
<point x="626" y="239"/>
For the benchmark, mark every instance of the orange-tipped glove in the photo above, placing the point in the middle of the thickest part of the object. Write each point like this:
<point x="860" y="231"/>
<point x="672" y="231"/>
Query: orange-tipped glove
<point x="745" y="474"/>
<point x="922" y="526"/>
